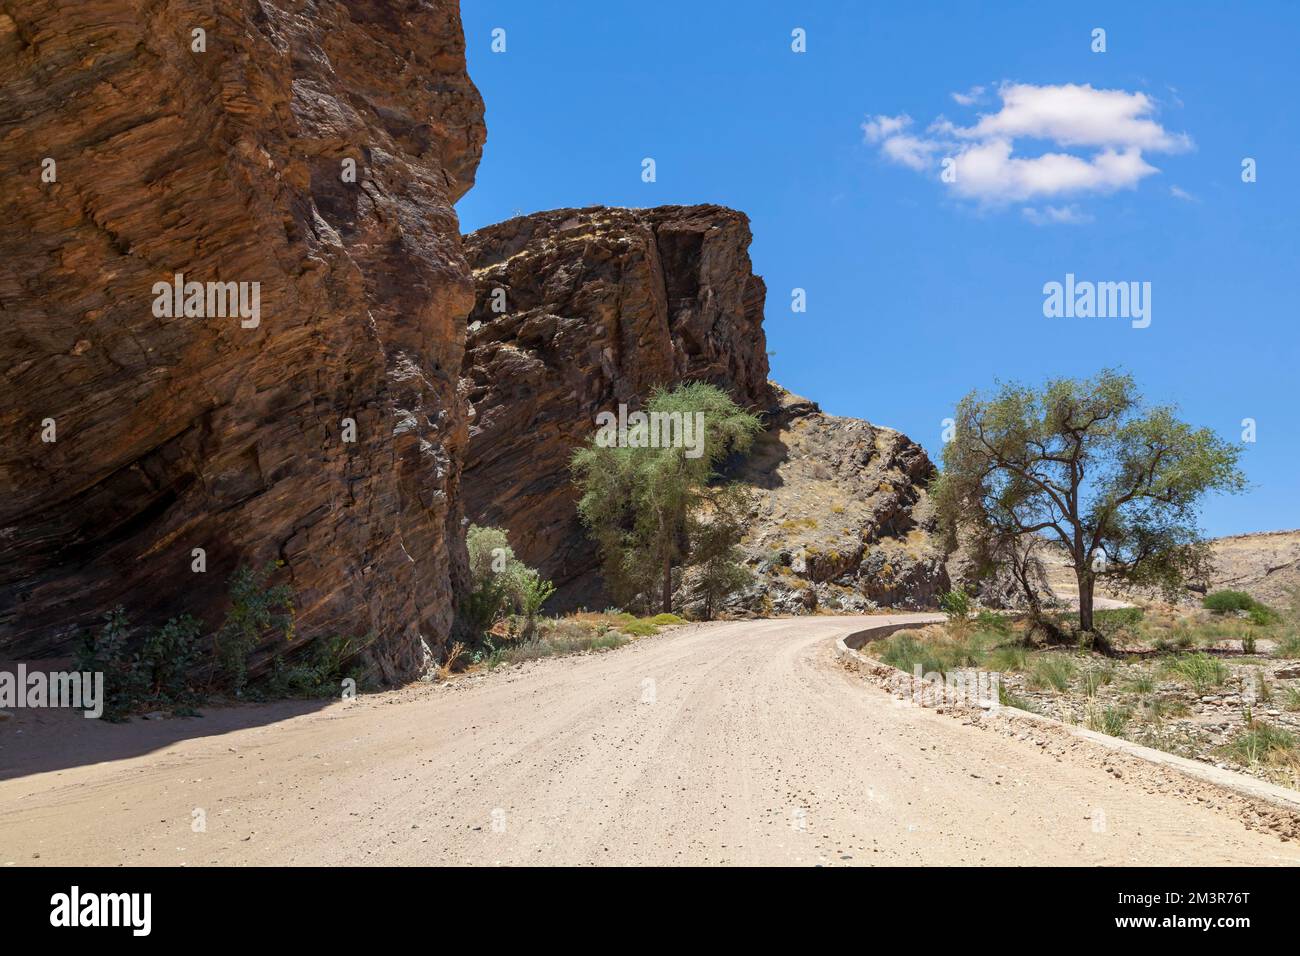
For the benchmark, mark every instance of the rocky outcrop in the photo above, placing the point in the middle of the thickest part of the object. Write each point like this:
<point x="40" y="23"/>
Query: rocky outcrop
<point x="212" y="140"/>
<point x="579" y="310"/>
<point x="843" y="521"/>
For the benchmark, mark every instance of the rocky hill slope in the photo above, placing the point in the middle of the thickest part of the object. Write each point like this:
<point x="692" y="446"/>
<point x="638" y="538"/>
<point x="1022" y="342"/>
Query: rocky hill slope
<point x="146" y="141"/>
<point x="843" y="521"/>
<point x="1265" y="564"/>
<point x="580" y="310"/>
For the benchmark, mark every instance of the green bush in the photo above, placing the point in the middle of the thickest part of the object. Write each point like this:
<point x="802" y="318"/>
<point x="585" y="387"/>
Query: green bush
<point x="256" y="608"/>
<point x="105" y="652"/>
<point x="1261" y="615"/>
<point x="955" y="604"/>
<point x="664" y="620"/>
<point x="317" y="672"/>
<point x="500" y="583"/>
<point x="1222" y="602"/>
<point x="158" y="675"/>
<point x="990" y="622"/>
<point x="166" y="669"/>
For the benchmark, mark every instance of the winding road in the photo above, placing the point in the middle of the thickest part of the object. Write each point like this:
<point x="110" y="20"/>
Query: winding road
<point x="729" y="743"/>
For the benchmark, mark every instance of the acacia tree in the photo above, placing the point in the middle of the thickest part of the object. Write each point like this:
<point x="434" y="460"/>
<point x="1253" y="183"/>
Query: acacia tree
<point x="638" y="494"/>
<point x="714" y="535"/>
<point x="1087" y="464"/>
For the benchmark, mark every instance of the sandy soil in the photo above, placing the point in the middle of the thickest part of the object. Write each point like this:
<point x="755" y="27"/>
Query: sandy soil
<point x="737" y="743"/>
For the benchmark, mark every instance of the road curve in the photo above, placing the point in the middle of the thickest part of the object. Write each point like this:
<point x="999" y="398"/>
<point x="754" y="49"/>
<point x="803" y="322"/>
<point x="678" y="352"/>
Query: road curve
<point x="734" y="743"/>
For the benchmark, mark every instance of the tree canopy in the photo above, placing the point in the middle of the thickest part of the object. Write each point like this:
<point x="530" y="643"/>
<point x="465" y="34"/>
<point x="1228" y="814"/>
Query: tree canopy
<point x="642" y="498"/>
<point x="1085" y="463"/>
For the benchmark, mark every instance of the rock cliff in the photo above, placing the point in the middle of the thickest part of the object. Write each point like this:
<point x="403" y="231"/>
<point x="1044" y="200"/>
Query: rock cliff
<point x="215" y="141"/>
<point x="580" y="310"/>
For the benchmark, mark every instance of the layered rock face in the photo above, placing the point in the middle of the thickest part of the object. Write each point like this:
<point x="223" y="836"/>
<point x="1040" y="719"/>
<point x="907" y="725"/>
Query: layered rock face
<point x="210" y="140"/>
<point x="581" y="310"/>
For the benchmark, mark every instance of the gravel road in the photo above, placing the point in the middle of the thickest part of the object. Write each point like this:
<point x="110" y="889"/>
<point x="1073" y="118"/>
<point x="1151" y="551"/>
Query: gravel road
<point x="731" y="743"/>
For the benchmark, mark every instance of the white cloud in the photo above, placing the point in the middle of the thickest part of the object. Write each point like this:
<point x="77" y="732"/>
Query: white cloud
<point x="877" y="128"/>
<point x="910" y="151"/>
<point x="1072" y="115"/>
<point x="988" y="172"/>
<point x="1056" y="215"/>
<point x="1099" y="138"/>
<point x="1178" y="192"/>
<point x="970" y="97"/>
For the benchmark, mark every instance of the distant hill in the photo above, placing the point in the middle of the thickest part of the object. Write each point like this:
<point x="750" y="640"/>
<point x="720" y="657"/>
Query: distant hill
<point x="1265" y="564"/>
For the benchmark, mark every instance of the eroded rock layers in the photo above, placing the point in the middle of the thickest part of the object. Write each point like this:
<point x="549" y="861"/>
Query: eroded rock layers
<point x="581" y="310"/>
<point x="577" y="312"/>
<point x="210" y="139"/>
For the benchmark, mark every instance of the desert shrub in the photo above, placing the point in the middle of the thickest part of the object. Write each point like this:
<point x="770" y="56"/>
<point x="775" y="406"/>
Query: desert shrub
<point x="500" y="584"/>
<point x="989" y="622"/>
<point x="1007" y="658"/>
<point x="1261" y="615"/>
<point x="105" y="651"/>
<point x="1201" y="671"/>
<point x="1051" y="670"/>
<point x="256" y="607"/>
<point x="1112" y="721"/>
<point x="319" y="671"/>
<point x="1222" y="602"/>
<point x="167" y="663"/>
<point x="956" y="605"/>
<point x="644" y="627"/>
<point x="665" y="620"/>
<point x="1248" y="643"/>
<point x="1095" y="678"/>
<point x="1262" y="743"/>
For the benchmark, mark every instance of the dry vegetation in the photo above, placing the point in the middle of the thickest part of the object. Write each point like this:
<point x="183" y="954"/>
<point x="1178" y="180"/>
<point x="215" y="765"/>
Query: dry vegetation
<point x="573" y="634"/>
<point x="1219" y="687"/>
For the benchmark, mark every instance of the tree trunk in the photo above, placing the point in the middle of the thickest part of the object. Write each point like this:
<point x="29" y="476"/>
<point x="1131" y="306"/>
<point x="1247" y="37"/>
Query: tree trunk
<point x="1085" y="599"/>
<point x="668" y="584"/>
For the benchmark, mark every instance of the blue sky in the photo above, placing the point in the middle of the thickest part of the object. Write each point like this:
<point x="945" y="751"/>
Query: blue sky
<point x="920" y="290"/>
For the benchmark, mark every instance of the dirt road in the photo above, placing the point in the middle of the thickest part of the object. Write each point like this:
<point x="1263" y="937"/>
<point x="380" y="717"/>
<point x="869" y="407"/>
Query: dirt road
<point x="739" y="743"/>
